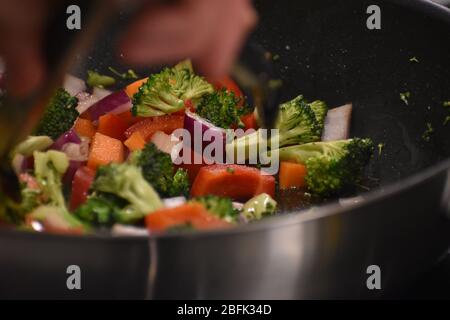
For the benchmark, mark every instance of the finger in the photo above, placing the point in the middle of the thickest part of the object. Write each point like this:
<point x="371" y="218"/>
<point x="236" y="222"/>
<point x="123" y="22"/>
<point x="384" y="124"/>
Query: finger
<point x="20" y="30"/>
<point x="218" y="55"/>
<point x="169" y="33"/>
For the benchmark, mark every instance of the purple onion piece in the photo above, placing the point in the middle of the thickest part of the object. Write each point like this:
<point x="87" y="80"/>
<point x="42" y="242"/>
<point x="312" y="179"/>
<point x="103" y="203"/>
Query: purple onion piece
<point x="116" y="102"/>
<point x="193" y="121"/>
<point x="27" y="164"/>
<point x="69" y="137"/>
<point x="70" y="172"/>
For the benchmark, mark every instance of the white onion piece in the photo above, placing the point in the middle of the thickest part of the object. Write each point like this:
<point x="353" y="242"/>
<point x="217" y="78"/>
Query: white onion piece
<point x="238" y="205"/>
<point x="122" y="108"/>
<point x="73" y="85"/>
<point x="163" y="141"/>
<point x="174" y="202"/>
<point x="123" y="230"/>
<point x="100" y="93"/>
<point x="85" y="101"/>
<point x="77" y="151"/>
<point x="337" y="123"/>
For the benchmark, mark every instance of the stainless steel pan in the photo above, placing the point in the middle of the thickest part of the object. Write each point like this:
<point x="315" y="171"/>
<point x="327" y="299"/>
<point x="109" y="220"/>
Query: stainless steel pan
<point x="402" y="225"/>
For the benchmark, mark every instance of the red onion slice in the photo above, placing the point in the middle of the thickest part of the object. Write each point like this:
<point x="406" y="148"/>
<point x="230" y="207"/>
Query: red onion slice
<point x="100" y="93"/>
<point x="337" y="123"/>
<point x="69" y="137"/>
<point x="85" y="101"/>
<point x="199" y="130"/>
<point x="70" y="172"/>
<point x="117" y="102"/>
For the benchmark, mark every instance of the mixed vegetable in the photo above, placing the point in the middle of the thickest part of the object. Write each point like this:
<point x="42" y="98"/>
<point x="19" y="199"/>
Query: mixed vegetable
<point x="99" y="158"/>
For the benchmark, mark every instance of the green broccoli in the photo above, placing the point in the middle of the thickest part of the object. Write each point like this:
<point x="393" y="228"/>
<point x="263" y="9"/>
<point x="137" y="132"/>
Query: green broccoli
<point x="130" y="74"/>
<point x="57" y="218"/>
<point x="221" y="109"/>
<point x="59" y="116"/>
<point x="166" y="92"/>
<point x="258" y="207"/>
<point x="46" y="201"/>
<point x="10" y="211"/>
<point x="157" y="169"/>
<point x="32" y="144"/>
<point x="95" y="79"/>
<point x="221" y="207"/>
<point x="320" y="109"/>
<point x="331" y="166"/>
<point x="127" y="182"/>
<point x="298" y="122"/>
<point x="102" y="209"/>
<point x="49" y="168"/>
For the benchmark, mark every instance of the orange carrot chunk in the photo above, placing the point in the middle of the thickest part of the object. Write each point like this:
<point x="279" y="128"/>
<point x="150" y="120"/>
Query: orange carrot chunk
<point x="105" y="150"/>
<point x="84" y="128"/>
<point x="132" y="88"/>
<point x="234" y="181"/>
<point x="192" y="213"/>
<point x="292" y="175"/>
<point x="135" y="142"/>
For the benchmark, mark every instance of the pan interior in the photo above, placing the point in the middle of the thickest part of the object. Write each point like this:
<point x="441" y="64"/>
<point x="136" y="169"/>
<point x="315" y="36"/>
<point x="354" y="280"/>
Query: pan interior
<point x="327" y="52"/>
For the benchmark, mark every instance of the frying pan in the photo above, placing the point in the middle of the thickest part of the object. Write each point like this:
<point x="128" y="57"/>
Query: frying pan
<point x="402" y="226"/>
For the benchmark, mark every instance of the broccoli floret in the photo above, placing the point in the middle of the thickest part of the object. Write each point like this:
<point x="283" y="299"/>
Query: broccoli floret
<point x="220" y="108"/>
<point x="298" y="122"/>
<point x="221" y="207"/>
<point x="95" y="79"/>
<point x="32" y="144"/>
<point x="180" y="183"/>
<point x="102" y="209"/>
<point x="126" y="181"/>
<point x="130" y="74"/>
<point x="49" y="168"/>
<point x="59" y="116"/>
<point x="258" y="207"/>
<point x="30" y="199"/>
<point x="157" y="169"/>
<point x="46" y="202"/>
<point x="165" y="92"/>
<point x="56" y="219"/>
<point x="320" y="109"/>
<point x="331" y="166"/>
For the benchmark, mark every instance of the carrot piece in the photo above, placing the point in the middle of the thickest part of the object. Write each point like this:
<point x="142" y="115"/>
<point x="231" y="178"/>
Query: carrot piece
<point x="234" y="181"/>
<point x="84" y="127"/>
<point x="105" y="150"/>
<point x="132" y="88"/>
<point x="112" y="126"/>
<point x="193" y="213"/>
<point x="135" y="142"/>
<point x="292" y="175"/>
<point x="148" y="126"/>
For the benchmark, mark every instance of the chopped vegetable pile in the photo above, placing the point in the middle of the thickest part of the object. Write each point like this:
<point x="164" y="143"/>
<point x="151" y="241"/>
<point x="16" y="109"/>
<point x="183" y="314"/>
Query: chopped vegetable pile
<point x="99" y="158"/>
